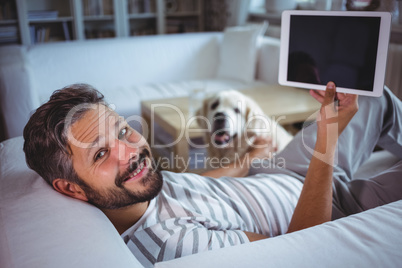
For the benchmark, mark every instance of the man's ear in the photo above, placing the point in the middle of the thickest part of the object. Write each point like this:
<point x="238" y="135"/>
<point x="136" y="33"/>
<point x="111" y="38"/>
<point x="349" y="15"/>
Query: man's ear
<point x="70" y="189"/>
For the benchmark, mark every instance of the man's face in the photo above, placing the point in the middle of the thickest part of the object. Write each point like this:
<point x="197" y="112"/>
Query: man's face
<point x="112" y="159"/>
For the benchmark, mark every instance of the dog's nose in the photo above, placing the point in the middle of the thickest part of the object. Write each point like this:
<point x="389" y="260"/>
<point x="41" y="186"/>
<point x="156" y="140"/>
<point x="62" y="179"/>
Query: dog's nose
<point x="219" y="118"/>
<point x="220" y="121"/>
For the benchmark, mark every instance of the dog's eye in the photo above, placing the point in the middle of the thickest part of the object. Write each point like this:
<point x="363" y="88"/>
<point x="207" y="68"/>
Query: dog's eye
<point x="214" y="105"/>
<point x="237" y="110"/>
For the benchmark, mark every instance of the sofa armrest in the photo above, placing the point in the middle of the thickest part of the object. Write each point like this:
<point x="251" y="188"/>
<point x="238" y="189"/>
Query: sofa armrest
<point x="16" y="97"/>
<point x="354" y="241"/>
<point x="268" y="60"/>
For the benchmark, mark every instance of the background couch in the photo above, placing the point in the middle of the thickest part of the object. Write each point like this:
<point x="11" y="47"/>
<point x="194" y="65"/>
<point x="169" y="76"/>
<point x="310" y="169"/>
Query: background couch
<point x="129" y="70"/>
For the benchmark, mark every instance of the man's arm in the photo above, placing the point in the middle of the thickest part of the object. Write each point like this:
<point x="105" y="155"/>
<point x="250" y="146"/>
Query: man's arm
<point x="315" y="202"/>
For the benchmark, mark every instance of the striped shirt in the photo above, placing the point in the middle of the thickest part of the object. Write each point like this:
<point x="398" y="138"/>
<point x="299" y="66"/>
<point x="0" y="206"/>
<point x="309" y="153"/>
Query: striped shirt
<point x="194" y="214"/>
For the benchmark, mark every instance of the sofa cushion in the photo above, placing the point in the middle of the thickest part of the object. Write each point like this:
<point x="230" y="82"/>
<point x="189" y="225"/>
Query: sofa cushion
<point x="40" y="227"/>
<point x="123" y="62"/>
<point x="238" y="52"/>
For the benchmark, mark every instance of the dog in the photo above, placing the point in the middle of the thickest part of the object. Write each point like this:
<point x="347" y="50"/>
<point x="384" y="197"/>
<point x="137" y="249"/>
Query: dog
<point x="233" y="120"/>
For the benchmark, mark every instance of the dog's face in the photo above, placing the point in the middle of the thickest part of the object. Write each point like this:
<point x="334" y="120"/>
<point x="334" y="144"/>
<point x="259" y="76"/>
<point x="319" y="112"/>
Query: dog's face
<point x="226" y="114"/>
<point x="233" y="120"/>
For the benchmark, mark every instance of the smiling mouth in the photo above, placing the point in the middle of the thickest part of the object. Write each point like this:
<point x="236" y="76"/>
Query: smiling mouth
<point x="137" y="170"/>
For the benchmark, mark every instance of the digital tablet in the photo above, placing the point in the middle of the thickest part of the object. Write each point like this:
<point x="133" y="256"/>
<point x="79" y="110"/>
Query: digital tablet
<point x="346" y="47"/>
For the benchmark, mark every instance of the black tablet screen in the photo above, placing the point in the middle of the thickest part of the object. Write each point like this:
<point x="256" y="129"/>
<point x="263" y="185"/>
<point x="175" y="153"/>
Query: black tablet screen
<point x="342" y="49"/>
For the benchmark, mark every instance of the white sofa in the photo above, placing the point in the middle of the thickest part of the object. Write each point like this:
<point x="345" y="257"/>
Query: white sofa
<point x="42" y="228"/>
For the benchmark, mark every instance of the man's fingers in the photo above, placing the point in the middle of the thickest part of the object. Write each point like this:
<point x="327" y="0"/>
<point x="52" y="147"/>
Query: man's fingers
<point x="327" y="96"/>
<point x="330" y="93"/>
<point x="316" y="95"/>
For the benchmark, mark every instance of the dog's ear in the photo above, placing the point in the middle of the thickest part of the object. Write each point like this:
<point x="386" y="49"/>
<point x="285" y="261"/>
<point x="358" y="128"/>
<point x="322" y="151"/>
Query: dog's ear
<point x="252" y="109"/>
<point x="255" y="117"/>
<point x="201" y="114"/>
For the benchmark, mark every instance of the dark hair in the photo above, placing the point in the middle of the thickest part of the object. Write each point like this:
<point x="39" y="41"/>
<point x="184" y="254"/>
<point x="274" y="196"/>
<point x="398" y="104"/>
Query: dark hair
<point x="46" y="145"/>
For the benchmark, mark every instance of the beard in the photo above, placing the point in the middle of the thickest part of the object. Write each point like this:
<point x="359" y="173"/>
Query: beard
<point x="120" y="196"/>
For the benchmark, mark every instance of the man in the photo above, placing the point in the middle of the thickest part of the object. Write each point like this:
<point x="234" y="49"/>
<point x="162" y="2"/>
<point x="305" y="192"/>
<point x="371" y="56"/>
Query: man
<point x="85" y="151"/>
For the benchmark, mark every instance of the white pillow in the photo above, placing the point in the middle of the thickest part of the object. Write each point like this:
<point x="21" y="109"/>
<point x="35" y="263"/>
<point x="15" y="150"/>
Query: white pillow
<point x="238" y="53"/>
<point x="41" y="228"/>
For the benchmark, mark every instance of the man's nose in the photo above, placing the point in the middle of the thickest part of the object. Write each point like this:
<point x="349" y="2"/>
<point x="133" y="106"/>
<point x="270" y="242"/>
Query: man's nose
<point x="127" y="151"/>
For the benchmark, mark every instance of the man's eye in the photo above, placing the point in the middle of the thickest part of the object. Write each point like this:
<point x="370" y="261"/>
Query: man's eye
<point x="100" y="154"/>
<point x="122" y="133"/>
